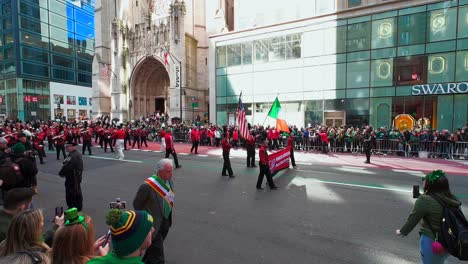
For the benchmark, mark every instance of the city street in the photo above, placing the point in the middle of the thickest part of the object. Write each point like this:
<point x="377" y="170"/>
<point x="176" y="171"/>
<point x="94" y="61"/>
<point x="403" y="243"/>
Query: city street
<point x="323" y="212"/>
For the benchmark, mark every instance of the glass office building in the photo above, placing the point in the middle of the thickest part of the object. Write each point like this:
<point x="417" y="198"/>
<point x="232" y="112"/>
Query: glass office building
<point x="353" y="70"/>
<point x="43" y="42"/>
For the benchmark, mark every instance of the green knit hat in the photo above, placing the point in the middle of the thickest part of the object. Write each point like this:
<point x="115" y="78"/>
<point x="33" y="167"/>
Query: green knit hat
<point x="128" y="229"/>
<point x="433" y="176"/>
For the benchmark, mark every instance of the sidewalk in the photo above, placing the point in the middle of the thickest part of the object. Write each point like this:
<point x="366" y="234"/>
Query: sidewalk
<point x="455" y="167"/>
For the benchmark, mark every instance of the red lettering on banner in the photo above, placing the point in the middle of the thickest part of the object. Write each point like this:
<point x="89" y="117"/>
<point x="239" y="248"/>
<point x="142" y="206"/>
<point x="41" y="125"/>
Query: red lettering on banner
<point x="279" y="160"/>
<point x="34" y="99"/>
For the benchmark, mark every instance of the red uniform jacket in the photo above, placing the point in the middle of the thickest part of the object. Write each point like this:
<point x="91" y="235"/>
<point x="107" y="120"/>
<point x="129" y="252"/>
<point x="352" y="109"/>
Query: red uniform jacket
<point x="195" y="135"/>
<point x="225" y="145"/>
<point x="235" y="135"/>
<point x="169" y="141"/>
<point x="263" y="155"/>
<point x="119" y="134"/>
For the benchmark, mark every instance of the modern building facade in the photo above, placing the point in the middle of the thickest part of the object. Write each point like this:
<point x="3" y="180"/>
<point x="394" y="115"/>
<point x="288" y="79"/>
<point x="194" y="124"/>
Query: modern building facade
<point x="351" y="62"/>
<point x="156" y="52"/>
<point x="46" y="52"/>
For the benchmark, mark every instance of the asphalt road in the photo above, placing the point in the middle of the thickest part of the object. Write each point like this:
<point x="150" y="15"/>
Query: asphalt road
<point x="320" y="214"/>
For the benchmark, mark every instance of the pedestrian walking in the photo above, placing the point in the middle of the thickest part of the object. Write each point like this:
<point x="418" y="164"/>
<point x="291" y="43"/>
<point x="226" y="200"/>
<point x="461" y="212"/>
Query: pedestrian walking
<point x="156" y="196"/>
<point x="60" y="145"/>
<point x="227" y="163"/>
<point x="265" y="168"/>
<point x="367" y="145"/>
<point x="162" y="135"/>
<point x="170" y="148"/>
<point x="72" y="171"/>
<point x="143" y="136"/>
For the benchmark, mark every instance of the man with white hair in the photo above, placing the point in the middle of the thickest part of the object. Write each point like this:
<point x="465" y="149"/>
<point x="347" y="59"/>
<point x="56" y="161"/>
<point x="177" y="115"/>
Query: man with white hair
<point x="156" y="196"/>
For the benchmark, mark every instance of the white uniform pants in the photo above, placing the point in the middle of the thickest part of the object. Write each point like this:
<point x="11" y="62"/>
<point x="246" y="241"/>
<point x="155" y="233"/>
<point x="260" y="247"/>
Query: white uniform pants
<point x="120" y="147"/>
<point x="163" y="144"/>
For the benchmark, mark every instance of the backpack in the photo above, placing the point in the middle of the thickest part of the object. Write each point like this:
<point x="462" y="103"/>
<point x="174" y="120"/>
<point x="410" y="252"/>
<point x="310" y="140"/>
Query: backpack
<point x="454" y="231"/>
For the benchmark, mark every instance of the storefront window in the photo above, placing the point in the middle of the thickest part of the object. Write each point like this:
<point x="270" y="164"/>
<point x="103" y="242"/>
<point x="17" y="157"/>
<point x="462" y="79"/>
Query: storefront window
<point x="382" y="73"/>
<point x="358" y="37"/>
<point x="412" y="29"/>
<point x="441" y="67"/>
<point x="442" y="24"/>
<point x="462" y="66"/>
<point x="384" y="33"/>
<point x="410" y="70"/>
<point x="358" y="74"/>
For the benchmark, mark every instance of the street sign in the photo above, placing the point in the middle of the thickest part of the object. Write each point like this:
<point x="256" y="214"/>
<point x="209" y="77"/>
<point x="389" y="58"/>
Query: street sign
<point x="195" y="105"/>
<point x="194" y="99"/>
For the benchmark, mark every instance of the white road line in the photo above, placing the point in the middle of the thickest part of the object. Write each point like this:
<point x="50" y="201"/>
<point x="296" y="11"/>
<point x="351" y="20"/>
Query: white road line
<point x="134" y="149"/>
<point x="146" y="150"/>
<point x="184" y="154"/>
<point x="202" y="155"/>
<point x="157" y="151"/>
<point x="409" y="171"/>
<point x="105" y="158"/>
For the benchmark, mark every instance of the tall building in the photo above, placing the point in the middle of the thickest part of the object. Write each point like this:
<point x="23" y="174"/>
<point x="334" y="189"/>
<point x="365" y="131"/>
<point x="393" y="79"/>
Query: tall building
<point x="156" y="54"/>
<point x="46" y="52"/>
<point x="339" y="62"/>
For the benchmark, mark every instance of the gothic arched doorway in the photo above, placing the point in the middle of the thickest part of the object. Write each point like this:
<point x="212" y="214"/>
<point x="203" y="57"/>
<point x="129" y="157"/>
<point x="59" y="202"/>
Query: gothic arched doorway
<point x="148" y="88"/>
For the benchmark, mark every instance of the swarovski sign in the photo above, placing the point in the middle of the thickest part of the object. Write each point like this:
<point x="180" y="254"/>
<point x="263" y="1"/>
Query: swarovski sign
<point x="439" y="88"/>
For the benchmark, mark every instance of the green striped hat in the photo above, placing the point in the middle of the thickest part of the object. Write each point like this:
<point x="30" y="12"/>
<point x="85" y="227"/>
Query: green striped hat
<point x="128" y="229"/>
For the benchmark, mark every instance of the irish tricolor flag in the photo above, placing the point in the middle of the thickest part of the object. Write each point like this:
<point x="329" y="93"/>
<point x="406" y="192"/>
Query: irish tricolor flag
<point x="275" y="112"/>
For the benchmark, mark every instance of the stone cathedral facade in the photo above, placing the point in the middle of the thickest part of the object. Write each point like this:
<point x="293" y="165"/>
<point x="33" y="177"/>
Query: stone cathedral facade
<point x="150" y="56"/>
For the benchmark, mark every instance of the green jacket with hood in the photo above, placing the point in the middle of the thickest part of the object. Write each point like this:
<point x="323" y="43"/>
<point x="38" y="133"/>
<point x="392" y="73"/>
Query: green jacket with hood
<point x="429" y="210"/>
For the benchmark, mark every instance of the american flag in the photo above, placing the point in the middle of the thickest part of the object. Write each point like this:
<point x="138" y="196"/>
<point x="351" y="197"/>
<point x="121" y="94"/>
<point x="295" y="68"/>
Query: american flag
<point x="105" y="71"/>
<point x="241" y="120"/>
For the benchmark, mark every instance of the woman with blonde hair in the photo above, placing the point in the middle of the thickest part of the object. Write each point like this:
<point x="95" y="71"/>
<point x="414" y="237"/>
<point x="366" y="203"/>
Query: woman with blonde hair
<point x="74" y="242"/>
<point x="25" y="234"/>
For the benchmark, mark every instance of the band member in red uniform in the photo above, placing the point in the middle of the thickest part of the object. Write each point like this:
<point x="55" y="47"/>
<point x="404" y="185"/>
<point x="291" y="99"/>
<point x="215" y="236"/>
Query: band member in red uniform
<point x="250" y="145"/>
<point x="60" y="145"/>
<point x="227" y="163"/>
<point x="136" y="137"/>
<point x="108" y="139"/>
<point x="264" y="168"/>
<point x="195" y="137"/>
<point x="235" y="137"/>
<point x="128" y="132"/>
<point x="87" y="135"/>
<point x="119" y="137"/>
<point x="143" y="135"/>
<point x="170" y="148"/>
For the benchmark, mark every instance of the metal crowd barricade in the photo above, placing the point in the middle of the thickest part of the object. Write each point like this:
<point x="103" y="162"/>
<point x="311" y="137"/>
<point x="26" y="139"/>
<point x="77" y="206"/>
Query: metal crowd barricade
<point x="460" y="150"/>
<point x="430" y="149"/>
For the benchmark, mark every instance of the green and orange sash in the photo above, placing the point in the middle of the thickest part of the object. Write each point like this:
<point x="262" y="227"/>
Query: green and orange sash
<point x="165" y="191"/>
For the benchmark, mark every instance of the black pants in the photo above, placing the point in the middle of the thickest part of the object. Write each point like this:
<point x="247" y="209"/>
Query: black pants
<point x="96" y="139"/>
<point x="136" y="140"/>
<point x="155" y="253"/>
<point x="127" y="139"/>
<point x="368" y="154"/>
<point x="143" y="140"/>
<point x="108" y="141"/>
<point x="250" y="155"/>
<point x="265" y="171"/>
<point x="174" y="155"/>
<point x="51" y="144"/>
<point x="61" y="148"/>
<point x="86" y="144"/>
<point x="217" y="141"/>
<point x="226" y="164"/>
<point x="324" y="148"/>
<point x="73" y="194"/>
<point x="194" y="146"/>
<point x="291" y="156"/>
<point x="275" y="144"/>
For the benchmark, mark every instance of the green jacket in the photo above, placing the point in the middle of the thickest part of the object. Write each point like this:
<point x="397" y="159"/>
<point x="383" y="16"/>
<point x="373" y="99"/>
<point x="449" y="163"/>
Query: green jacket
<point x="428" y="209"/>
<point x="112" y="258"/>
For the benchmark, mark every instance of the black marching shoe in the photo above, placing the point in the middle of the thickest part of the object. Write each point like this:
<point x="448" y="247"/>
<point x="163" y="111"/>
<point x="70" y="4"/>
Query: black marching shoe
<point x="260" y="188"/>
<point x="224" y="175"/>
